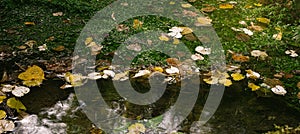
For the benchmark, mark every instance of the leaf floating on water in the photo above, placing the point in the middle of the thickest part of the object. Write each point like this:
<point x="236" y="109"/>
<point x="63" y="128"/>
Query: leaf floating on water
<point x="263" y="20"/>
<point x="237" y="76"/>
<point x="226" y="6"/>
<point x="33" y="76"/>
<point x="2" y="114"/>
<point x="253" y="86"/>
<point x="6" y="125"/>
<point x="16" y="104"/>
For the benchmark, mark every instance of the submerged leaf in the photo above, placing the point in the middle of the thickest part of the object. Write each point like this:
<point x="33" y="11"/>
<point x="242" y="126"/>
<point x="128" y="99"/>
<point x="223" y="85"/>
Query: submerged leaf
<point x="16" y="104"/>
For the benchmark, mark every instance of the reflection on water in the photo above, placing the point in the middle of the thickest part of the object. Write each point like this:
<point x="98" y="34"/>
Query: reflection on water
<point x="240" y="112"/>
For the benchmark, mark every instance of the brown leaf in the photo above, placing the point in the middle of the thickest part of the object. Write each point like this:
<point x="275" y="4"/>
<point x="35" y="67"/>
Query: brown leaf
<point x="288" y="76"/>
<point x="122" y="27"/>
<point x="29" y="23"/>
<point x="59" y="48"/>
<point x="51" y="38"/>
<point x="30" y="43"/>
<point x="190" y="37"/>
<point x="240" y="58"/>
<point x="173" y="61"/>
<point x="226" y="6"/>
<point x="243" y="37"/>
<point x="208" y="9"/>
<point x="189" y="13"/>
<point x="298" y="85"/>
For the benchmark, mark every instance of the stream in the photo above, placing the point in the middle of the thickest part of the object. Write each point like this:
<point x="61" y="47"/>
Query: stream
<point x="54" y="110"/>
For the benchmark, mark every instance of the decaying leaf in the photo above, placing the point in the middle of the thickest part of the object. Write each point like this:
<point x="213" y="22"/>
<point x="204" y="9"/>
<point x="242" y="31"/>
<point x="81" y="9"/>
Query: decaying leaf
<point x="240" y="58"/>
<point x="43" y="47"/>
<point x="137" y="24"/>
<point x="190" y="37"/>
<point x="20" y="91"/>
<point x="255" y="27"/>
<point x="253" y="86"/>
<point x="16" y="104"/>
<point x="226" y="6"/>
<point x="263" y="20"/>
<point x="203" y="50"/>
<point x="122" y="27"/>
<point x="298" y="85"/>
<point x="30" y="43"/>
<point x="59" y="48"/>
<point x="88" y="40"/>
<point x="251" y="74"/>
<point x="292" y="53"/>
<point x="33" y="76"/>
<point x="237" y="76"/>
<point x="121" y="76"/>
<point x="197" y="57"/>
<point x="186" y="30"/>
<point x="173" y="61"/>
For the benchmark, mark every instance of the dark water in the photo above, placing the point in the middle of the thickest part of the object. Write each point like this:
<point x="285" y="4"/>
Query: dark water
<point x="240" y="111"/>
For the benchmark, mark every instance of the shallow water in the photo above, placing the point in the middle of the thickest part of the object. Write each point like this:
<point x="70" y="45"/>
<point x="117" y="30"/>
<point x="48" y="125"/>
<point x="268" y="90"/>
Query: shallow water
<point x="240" y="111"/>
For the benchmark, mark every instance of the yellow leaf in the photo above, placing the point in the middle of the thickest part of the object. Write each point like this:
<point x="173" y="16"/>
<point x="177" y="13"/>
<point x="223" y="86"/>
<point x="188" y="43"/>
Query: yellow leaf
<point x="16" y="104"/>
<point x="263" y="20"/>
<point x="208" y="9"/>
<point x="226" y="6"/>
<point x="225" y="82"/>
<point x="33" y="76"/>
<point x="211" y="81"/>
<point x="2" y="98"/>
<point x="164" y="38"/>
<point x="253" y="86"/>
<point x="29" y="23"/>
<point x="248" y="6"/>
<point x="137" y="24"/>
<point x="88" y="40"/>
<point x="277" y="36"/>
<point x="176" y="41"/>
<point x="172" y="3"/>
<point x="204" y="20"/>
<point x="158" y="69"/>
<point x="2" y="114"/>
<point x="257" y="4"/>
<point x="186" y="5"/>
<point x="237" y="76"/>
<point x="137" y="128"/>
<point x="186" y="30"/>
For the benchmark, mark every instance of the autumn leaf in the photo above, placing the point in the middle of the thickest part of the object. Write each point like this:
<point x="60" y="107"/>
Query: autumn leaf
<point x="243" y="37"/>
<point x="2" y="98"/>
<point x="16" y="104"/>
<point x="59" y="48"/>
<point x="158" y="69"/>
<point x="29" y="23"/>
<point x="240" y="58"/>
<point x="136" y="128"/>
<point x="237" y="76"/>
<point x="253" y="86"/>
<point x="30" y="43"/>
<point x="186" y="5"/>
<point x="251" y="74"/>
<point x="186" y="30"/>
<point x="57" y="14"/>
<point x="226" y="6"/>
<point x="263" y="20"/>
<point x="137" y="24"/>
<point x="2" y="114"/>
<point x="208" y="9"/>
<point x="163" y="38"/>
<point x="33" y="76"/>
<point x="88" y="40"/>
<point x="203" y="21"/>
<point x="277" y="36"/>
<point x="176" y="41"/>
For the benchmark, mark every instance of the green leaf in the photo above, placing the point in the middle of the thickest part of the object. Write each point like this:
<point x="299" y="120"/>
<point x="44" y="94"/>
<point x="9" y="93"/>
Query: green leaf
<point x="16" y="104"/>
<point x="2" y="114"/>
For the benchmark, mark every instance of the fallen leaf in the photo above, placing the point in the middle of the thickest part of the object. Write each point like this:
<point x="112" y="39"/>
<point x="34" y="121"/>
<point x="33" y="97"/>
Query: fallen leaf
<point x="263" y="20"/>
<point x="172" y="70"/>
<point x="136" y="128"/>
<point x="142" y="73"/>
<point x="30" y="43"/>
<point x="243" y="37"/>
<point x="298" y="85"/>
<point x="225" y="82"/>
<point x="2" y="114"/>
<point x="22" y="47"/>
<point x="113" y="16"/>
<point x="158" y="69"/>
<point x="226" y="6"/>
<point x="51" y="38"/>
<point x="197" y="57"/>
<point x="257" y="4"/>
<point x="33" y="76"/>
<point x="88" y="40"/>
<point x="15" y="104"/>
<point x="186" y="5"/>
<point x="251" y="74"/>
<point x="203" y="50"/>
<point x="261" y="54"/>
<point x="272" y="82"/>
<point x="237" y="76"/>
<point x="298" y="95"/>
<point x="240" y="58"/>
<point x="59" y="48"/>
<point x="186" y="30"/>
<point x="2" y="97"/>
<point x="57" y="14"/>
<point x="122" y="27"/>
<point x="203" y="21"/>
<point x="190" y="37"/>
<point x="121" y="76"/>
<point x="163" y="38"/>
<point x="74" y="79"/>
<point x="253" y="86"/>
<point x="137" y="24"/>
<point x="42" y="47"/>
<point x="172" y="3"/>
<point x="176" y="41"/>
<point x="173" y="61"/>
<point x="6" y="125"/>
<point x="175" y="32"/>
<point x="189" y="13"/>
<point x="20" y="91"/>
<point x="29" y="23"/>
<point x="208" y="9"/>
<point x="292" y="53"/>
<point x="279" y="90"/>
<point x="277" y="36"/>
